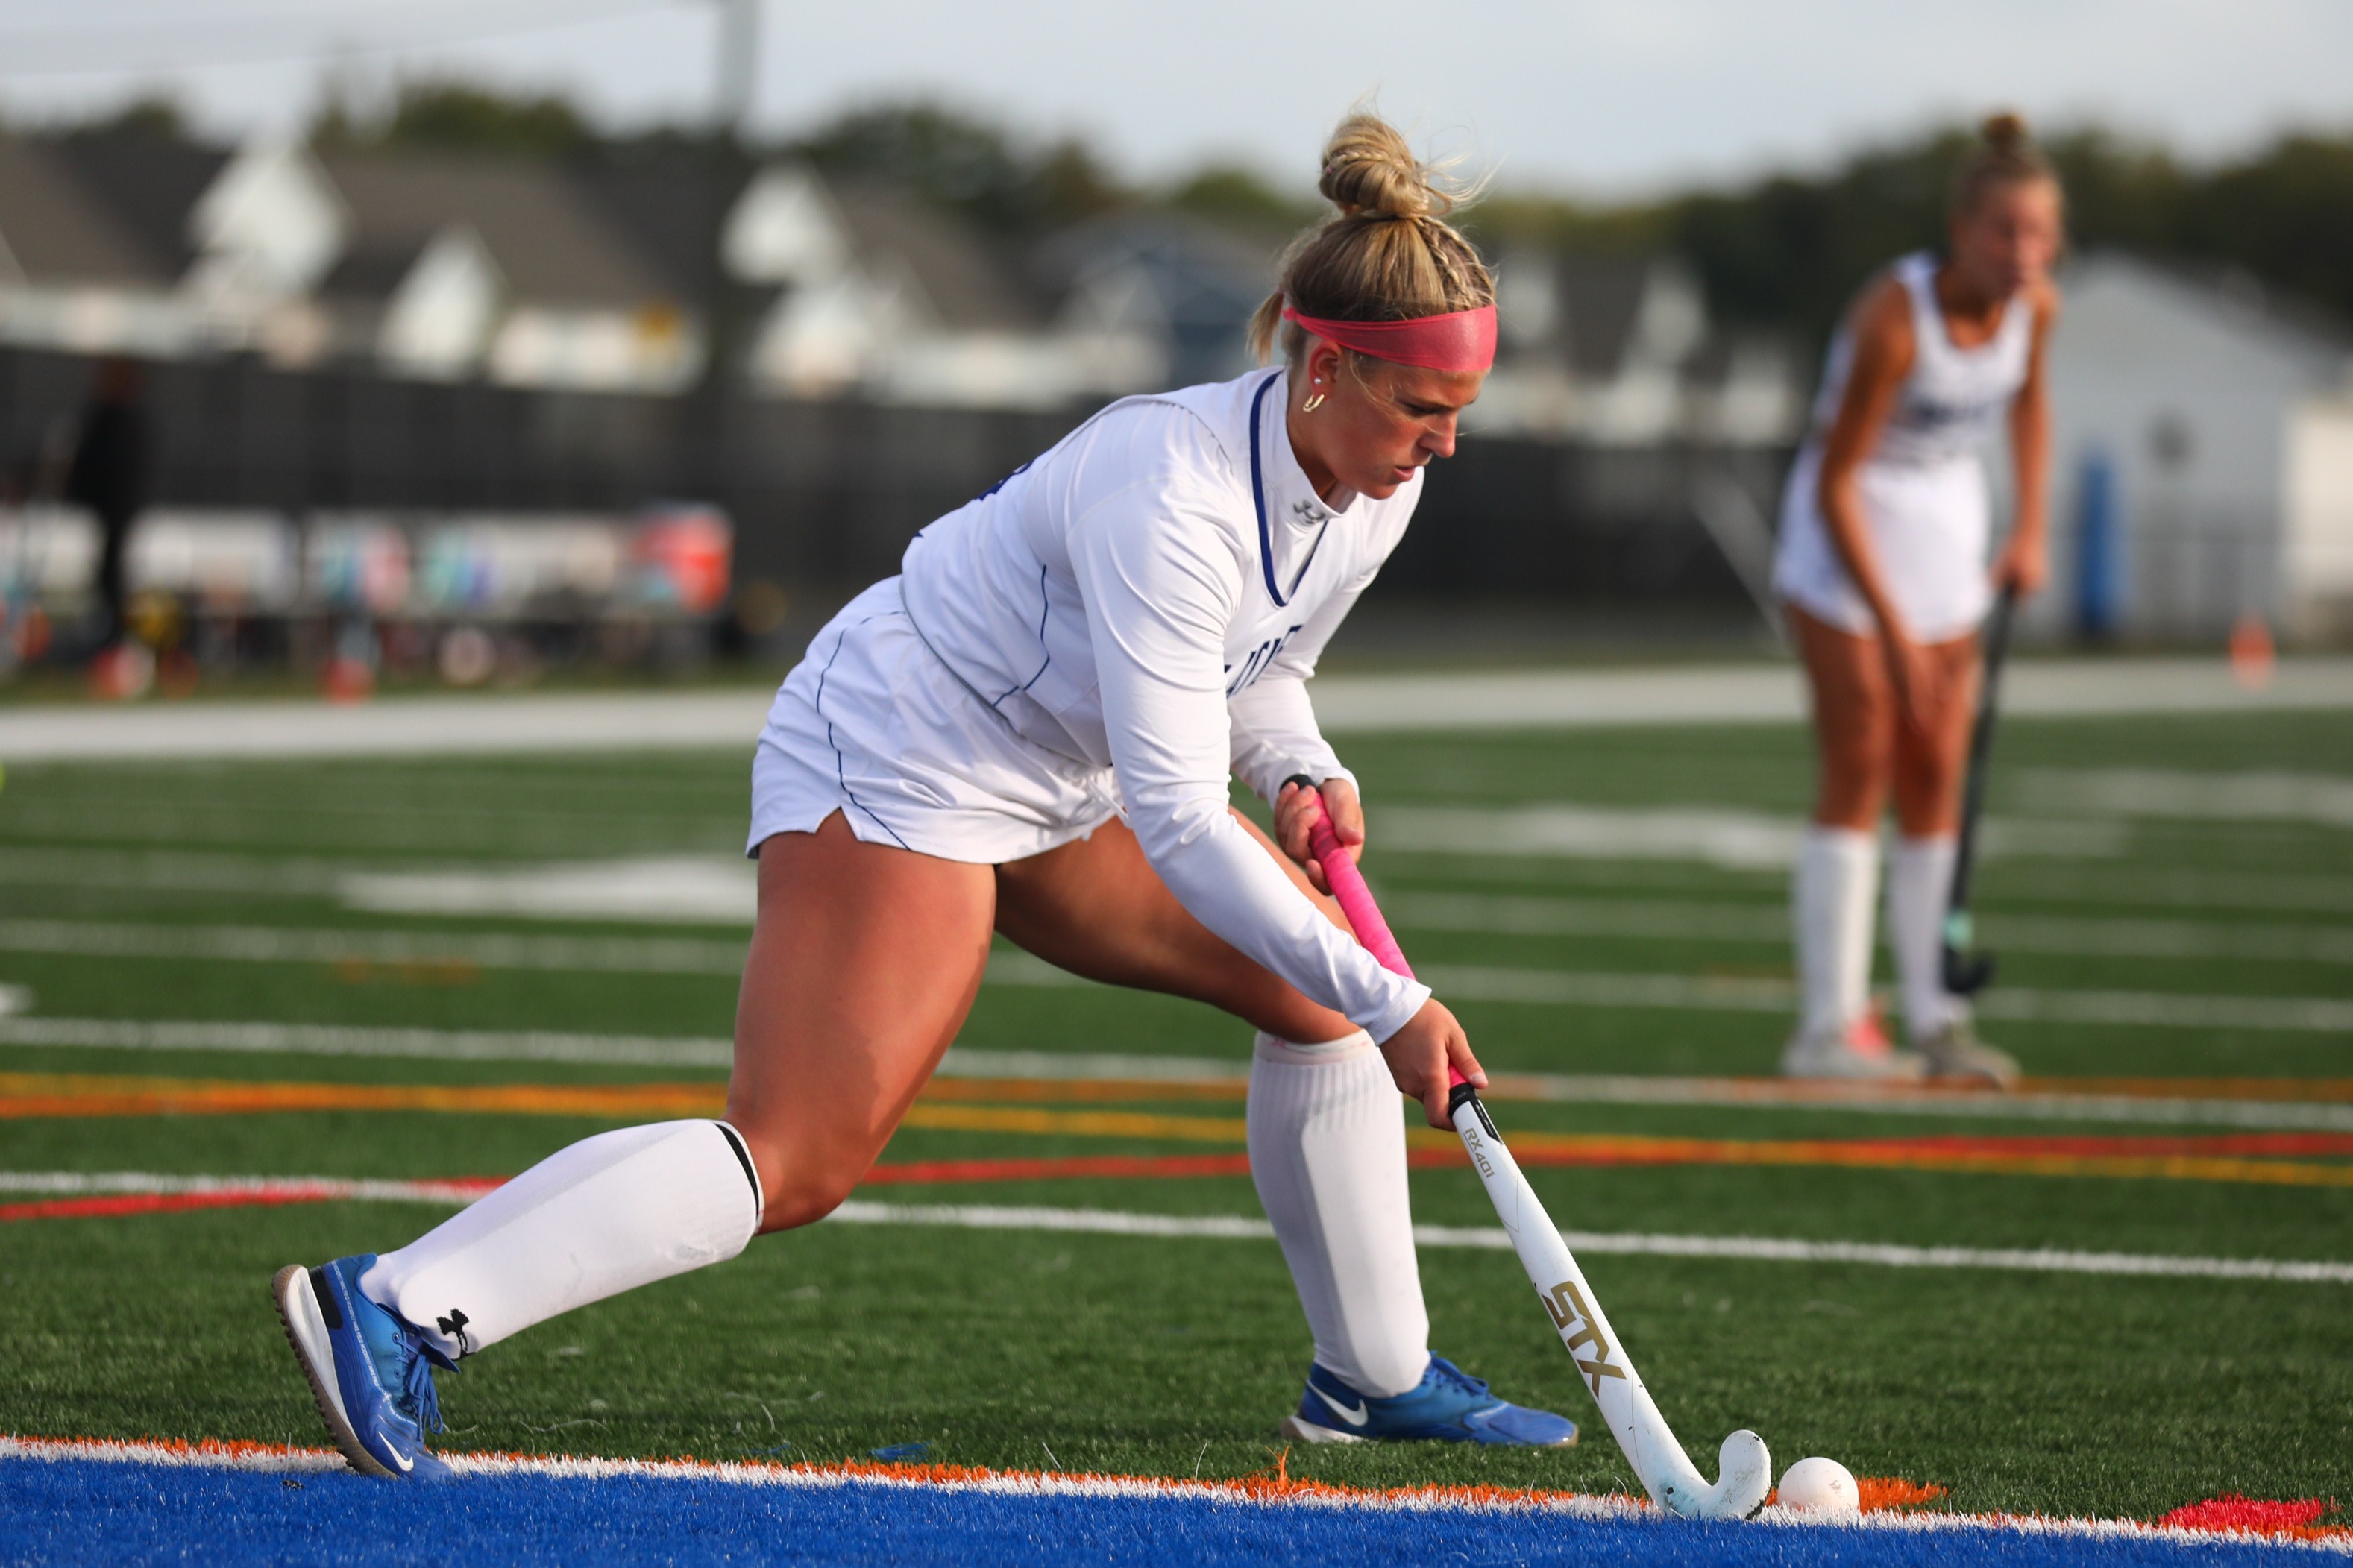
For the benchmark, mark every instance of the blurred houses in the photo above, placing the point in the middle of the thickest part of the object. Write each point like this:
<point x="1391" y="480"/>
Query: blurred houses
<point x="438" y="269"/>
<point x="2203" y="448"/>
<point x="1619" y="351"/>
<point x="418" y="393"/>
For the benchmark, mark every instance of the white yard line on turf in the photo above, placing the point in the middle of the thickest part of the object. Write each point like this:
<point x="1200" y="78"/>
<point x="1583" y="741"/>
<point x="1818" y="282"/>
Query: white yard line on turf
<point x="2324" y="799"/>
<point x="1250" y="1228"/>
<point x="1599" y="1088"/>
<point x="121" y="1184"/>
<point x="270" y="1460"/>
<point x="1548" y="987"/>
<point x="1493" y="1238"/>
<point x="180" y="870"/>
<point x="605" y="721"/>
<point x="1499" y="915"/>
<point x="724" y="890"/>
<point x="1734" y="839"/>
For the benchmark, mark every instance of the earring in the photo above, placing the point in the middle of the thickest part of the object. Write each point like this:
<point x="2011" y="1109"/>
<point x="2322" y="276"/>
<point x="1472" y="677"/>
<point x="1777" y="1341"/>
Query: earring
<point x="1312" y="404"/>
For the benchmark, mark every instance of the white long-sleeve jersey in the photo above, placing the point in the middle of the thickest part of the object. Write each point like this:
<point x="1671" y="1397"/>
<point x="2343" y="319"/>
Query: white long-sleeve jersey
<point x="1151" y="595"/>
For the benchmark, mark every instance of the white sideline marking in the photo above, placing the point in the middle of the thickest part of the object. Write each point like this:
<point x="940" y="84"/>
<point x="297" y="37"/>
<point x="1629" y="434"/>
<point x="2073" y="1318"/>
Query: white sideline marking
<point x="272" y="1460"/>
<point x="964" y="1062"/>
<point x="1548" y="987"/>
<point x="1533" y="700"/>
<point x="1245" y="1227"/>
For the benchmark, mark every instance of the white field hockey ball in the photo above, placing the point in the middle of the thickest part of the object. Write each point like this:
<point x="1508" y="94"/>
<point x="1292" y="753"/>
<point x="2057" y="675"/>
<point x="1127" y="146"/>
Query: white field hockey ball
<point x="1821" y="1487"/>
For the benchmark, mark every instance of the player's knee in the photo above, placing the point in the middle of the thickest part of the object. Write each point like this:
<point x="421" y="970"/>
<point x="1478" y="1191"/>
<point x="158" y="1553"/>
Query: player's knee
<point x="1860" y="765"/>
<point x="799" y="1185"/>
<point x="805" y="1198"/>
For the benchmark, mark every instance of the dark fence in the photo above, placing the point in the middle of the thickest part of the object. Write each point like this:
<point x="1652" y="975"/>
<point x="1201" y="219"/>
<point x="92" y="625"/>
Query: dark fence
<point x="825" y="494"/>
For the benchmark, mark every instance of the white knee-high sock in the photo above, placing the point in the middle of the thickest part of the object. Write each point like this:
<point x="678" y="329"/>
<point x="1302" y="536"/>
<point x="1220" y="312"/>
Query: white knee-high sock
<point x="1327" y="1152"/>
<point x="606" y="1214"/>
<point x="1919" y="881"/>
<point x="1838" y="869"/>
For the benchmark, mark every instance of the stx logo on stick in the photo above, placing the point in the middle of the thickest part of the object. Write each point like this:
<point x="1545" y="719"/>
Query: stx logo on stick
<point x="1567" y="1305"/>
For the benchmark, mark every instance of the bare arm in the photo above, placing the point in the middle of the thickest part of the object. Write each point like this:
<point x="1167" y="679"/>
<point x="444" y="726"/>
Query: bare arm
<point x="1883" y="351"/>
<point x="1883" y="356"/>
<point x="2025" y="560"/>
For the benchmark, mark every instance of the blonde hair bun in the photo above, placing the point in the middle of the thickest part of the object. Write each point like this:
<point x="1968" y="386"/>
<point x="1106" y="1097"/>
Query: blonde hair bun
<point x="1371" y="169"/>
<point x="2004" y="132"/>
<point x="1387" y="255"/>
<point x="2003" y="156"/>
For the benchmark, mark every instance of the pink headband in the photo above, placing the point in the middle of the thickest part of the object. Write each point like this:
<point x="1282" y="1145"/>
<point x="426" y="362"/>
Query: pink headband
<point x="1458" y="340"/>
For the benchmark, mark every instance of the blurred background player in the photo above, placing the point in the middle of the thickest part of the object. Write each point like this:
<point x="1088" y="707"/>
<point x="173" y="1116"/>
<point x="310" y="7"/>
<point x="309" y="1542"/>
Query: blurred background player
<point x="1882" y="564"/>
<point x="109" y="474"/>
<point x="1031" y="731"/>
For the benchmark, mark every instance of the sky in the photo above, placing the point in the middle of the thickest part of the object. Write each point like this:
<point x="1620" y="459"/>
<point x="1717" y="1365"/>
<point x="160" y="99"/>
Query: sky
<point x="1615" y="100"/>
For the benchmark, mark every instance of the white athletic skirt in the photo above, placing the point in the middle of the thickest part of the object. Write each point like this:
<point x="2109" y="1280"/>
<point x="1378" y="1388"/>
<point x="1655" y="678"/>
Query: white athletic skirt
<point x="1930" y="523"/>
<point x="872" y="724"/>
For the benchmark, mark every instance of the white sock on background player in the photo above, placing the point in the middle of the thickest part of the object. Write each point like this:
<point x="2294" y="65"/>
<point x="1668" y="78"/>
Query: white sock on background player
<point x="1837" y="870"/>
<point x="1919" y="882"/>
<point x="1327" y="1152"/>
<point x="606" y="1214"/>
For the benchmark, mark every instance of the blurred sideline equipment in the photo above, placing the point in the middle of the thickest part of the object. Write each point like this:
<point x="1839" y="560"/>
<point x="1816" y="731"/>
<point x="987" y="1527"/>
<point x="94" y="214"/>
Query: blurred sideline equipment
<point x="1969" y="971"/>
<point x="1745" y="1472"/>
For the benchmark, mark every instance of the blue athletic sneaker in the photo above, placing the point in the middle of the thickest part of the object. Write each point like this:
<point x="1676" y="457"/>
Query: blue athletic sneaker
<point x="372" y="1371"/>
<point x="1451" y="1406"/>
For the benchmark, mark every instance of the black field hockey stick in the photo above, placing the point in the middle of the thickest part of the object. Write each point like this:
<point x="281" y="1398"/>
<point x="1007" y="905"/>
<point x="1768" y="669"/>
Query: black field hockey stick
<point x="1969" y="969"/>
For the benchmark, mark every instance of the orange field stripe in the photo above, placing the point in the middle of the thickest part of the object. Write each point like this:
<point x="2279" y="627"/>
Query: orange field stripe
<point x="2261" y="1158"/>
<point x="63" y="1094"/>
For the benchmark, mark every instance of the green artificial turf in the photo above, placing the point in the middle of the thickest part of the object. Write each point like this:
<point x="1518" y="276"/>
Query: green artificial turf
<point x="2057" y="1393"/>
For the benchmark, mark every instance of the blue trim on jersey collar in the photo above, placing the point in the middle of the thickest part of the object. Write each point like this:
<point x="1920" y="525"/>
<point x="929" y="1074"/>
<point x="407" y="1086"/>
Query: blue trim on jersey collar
<point x="1257" y="500"/>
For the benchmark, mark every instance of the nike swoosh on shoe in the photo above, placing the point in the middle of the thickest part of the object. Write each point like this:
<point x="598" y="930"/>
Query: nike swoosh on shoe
<point x="1356" y="1417"/>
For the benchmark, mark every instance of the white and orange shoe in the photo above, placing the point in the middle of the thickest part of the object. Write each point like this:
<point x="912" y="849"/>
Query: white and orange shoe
<point x="1860" y="1053"/>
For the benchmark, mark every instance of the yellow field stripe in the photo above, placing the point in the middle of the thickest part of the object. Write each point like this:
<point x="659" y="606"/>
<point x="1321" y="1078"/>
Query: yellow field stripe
<point x="1559" y="1149"/>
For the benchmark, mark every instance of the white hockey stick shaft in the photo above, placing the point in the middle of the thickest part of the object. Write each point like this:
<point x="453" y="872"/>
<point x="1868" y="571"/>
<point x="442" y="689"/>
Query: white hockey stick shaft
<point x="1745" y="1474"/>
<point x="1665" y="1471"/>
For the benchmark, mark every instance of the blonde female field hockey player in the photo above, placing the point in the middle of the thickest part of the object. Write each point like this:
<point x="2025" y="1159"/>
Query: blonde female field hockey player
<point x="1030" y="731"/>
<point x="1883" y="565"/>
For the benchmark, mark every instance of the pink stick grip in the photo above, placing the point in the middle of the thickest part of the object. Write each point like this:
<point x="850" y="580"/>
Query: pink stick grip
<point x="1356" y="900"/>
<point x="1347" y="885"/>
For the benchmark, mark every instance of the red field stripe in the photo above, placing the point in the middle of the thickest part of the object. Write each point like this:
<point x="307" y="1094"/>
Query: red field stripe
<point x="179" y="1194"/>
<point x="165" y="1202"/>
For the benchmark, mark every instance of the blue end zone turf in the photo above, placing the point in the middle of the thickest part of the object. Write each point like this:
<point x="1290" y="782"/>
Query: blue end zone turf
<point x="53" y="1511"/>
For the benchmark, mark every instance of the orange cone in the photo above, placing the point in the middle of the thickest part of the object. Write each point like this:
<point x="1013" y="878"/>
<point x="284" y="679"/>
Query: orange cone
<point x="2253" y="657"/>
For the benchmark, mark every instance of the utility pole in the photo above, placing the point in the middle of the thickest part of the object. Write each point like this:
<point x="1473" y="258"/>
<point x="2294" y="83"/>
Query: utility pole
<point x="709" y="435"/>
<point x="738" y="77"/>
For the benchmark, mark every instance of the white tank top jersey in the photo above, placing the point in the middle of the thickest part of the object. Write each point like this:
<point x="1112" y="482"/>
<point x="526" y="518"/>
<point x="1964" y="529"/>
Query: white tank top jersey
<point x="1923" y="486"/>
<point x="1150" y="597"/>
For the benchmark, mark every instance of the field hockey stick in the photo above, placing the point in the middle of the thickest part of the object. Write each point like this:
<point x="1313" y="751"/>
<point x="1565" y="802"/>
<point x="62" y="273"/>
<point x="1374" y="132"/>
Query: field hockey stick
<point x="1666" y="1472"/>
<point x="1967" y="970"/>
